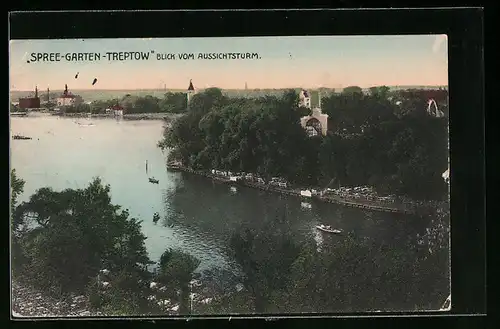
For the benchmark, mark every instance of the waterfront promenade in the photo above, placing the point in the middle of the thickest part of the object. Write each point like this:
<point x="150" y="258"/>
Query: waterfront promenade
<point x="349" y="201"/>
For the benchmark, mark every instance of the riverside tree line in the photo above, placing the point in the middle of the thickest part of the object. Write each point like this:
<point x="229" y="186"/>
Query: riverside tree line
<point x="385" y="139"/>
<point x="171" y="102"/>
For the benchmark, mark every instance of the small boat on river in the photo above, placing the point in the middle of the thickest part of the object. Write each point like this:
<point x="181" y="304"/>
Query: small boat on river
<point x="156" y="217"/>
<point x="151" y="179"/>
<point x="328" y="229"/>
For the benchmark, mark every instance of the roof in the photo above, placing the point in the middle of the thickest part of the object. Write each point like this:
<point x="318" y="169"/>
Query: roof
<point x="191" y="87"/>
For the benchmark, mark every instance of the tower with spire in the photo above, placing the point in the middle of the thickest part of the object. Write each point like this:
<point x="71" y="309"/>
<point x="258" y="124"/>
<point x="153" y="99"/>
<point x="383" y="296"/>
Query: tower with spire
<point x="190" y="91"/>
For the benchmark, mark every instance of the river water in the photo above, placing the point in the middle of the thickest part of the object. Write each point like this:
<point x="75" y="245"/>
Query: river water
<point x="197" y="215"/>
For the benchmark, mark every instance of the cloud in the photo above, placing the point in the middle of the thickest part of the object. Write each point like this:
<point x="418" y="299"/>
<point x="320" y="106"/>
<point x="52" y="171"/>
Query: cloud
<point x="439" y="40"/>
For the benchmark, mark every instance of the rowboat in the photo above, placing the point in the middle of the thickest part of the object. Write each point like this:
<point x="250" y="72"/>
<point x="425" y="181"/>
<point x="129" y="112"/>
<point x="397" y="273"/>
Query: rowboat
<point x="328" y="229"/>
<point x="151" y="179"/>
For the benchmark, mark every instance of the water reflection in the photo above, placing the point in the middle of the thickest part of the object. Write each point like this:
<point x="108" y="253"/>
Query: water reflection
<point x="318" y="237"/>
<point x="207" y="213"/>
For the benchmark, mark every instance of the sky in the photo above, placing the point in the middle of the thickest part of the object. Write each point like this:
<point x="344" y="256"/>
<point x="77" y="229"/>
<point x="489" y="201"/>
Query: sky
<point x="305" y="61"/>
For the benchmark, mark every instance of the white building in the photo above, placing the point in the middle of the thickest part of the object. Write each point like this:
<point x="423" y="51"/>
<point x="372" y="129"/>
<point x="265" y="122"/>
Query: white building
<point x="68" y="99"/>
<point x="116" y="110"/>
<point x="317" y="122"/>
<point x="305" y="99"/>
<point x="190" y="91"/>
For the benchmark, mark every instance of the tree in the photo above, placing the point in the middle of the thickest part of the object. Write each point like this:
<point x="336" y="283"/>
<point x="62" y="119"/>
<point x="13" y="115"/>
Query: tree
<point x="78" y="108"/>
<point x="381" y="92"/>
<point x="70" y="235"/>
<point x="352" y="90"/>
<point x="100" y="106"/>
<point x="16" y="189"/>
<point x="173" y="103"/>
<point x="265" y="255"/>
<point x="176" y="268"/>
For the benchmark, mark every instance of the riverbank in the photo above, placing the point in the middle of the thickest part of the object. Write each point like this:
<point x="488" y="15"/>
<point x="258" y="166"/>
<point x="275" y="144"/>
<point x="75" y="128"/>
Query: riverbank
<point x="350" y="200"/>
<point x="29" y="302"/>
<point x="130" y="116"/>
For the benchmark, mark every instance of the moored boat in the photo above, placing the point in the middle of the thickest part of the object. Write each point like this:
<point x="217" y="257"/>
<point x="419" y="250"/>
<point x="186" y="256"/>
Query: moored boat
<point x="20" y="137"/>
<point x="18" y="114"/>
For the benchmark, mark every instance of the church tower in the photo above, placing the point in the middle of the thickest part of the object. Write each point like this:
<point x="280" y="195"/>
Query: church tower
<point x="190" y="91"/>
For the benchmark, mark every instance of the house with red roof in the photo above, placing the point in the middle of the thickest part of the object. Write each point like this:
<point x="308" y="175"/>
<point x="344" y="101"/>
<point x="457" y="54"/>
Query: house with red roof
<point x="118" y="110"/>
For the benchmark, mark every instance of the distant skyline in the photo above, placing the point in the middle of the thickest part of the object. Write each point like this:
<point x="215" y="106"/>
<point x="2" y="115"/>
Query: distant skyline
<point x="305" y="61"/>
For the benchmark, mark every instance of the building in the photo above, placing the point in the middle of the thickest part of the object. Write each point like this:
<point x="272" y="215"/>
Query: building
<point x="432" y="109"/>
<point x="30" y="102"/>
<point x="68" y="99"/>
<point x="190" y="92"/>
<point x="118" y="110"/>
<point x="316" y="123"/>
<point x="305" y="99"/>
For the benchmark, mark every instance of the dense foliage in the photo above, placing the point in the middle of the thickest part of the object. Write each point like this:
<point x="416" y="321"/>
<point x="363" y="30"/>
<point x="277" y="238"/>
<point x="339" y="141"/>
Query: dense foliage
<point x="266" y="256"/>
<point x="382" y="139"/>
<point x="176" y="271"/>
<point x="69" y="236"/>
<point x="170" y="103"/>
<point x="62" y="241"/>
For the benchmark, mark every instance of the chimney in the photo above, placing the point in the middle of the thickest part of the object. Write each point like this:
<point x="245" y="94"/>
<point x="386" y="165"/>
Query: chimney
<point x="319" y="98"/>
<point x="36" y="91"/>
